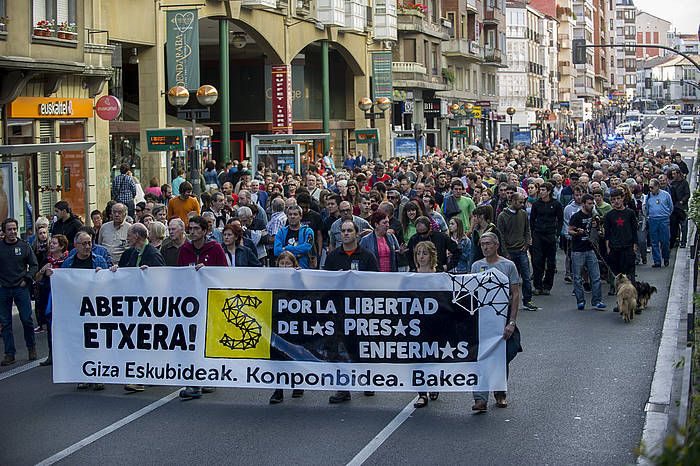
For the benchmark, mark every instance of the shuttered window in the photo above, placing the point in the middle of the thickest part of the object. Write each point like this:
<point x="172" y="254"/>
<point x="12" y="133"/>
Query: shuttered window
<point x="58" y="11"/>
<point x="47" y="167"/>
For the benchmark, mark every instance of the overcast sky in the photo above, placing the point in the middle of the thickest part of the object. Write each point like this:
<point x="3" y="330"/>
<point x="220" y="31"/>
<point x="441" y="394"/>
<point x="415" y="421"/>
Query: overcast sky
<point x="684" y="15"/>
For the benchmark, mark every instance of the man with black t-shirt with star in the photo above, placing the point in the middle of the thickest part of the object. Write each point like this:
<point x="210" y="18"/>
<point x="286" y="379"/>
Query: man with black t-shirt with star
<point x="620" y="236"/>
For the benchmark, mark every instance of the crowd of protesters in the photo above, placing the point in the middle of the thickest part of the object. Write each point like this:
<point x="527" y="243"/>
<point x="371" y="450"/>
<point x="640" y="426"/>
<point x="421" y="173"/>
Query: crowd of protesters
<point x="604" y="207"/>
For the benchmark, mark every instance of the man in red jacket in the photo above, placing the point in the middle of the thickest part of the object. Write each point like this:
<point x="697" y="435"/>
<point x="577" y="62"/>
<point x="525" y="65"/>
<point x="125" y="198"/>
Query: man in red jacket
<point x="199" y="252"/>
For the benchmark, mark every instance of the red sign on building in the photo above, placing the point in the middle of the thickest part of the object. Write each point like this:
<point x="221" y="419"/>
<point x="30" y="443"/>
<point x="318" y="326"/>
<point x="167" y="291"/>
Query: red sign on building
<point x="281" y="99"/>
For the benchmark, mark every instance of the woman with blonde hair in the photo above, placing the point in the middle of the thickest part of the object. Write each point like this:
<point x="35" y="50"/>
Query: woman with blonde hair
<point x="425" y="258"/>
<point x="156" y="234"/>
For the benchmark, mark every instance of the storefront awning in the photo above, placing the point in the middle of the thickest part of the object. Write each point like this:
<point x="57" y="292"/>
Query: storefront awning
<point x="20" y="149"/>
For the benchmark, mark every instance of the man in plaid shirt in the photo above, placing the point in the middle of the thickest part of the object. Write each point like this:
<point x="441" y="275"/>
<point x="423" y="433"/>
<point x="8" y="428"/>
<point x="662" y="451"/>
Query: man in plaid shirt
<point x="124" y="189"/>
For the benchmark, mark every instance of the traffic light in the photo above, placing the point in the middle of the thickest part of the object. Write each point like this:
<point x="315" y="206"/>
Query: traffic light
<point x="579" y="51"/>
<point x="417" y="131"/>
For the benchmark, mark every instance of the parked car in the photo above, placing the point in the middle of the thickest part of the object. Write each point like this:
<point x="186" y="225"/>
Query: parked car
<point x="635" y="118"/>
<point x="687" y="125"/>
<point x="672" y="109"/>
<point x="673" y="120"/>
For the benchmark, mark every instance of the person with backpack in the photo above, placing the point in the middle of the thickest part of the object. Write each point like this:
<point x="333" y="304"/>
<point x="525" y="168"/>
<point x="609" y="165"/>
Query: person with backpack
<point x="295" y="238"/>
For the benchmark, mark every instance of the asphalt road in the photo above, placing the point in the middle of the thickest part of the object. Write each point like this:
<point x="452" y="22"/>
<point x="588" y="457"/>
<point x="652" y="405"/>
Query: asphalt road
<point x="671" y="137"/>
<point x="576" y="396"/>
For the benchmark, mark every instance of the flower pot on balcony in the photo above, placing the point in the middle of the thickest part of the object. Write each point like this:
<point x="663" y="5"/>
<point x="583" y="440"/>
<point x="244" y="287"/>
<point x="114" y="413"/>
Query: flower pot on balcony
<point x="71" y="35"/>
<point x="42" y="32"/>
<point x="411" y="12"/>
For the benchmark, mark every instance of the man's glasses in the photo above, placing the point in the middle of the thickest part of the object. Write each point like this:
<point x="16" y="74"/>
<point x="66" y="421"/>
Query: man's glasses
<point x="85" y="243"/>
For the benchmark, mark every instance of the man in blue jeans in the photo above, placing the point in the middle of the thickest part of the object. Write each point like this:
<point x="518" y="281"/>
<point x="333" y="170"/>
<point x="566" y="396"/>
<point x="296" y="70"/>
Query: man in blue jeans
<point x="659" y="209"/>
<point x="515" y="230"/>
<point x="19" y="266"/>
<point x="583" y="254"/>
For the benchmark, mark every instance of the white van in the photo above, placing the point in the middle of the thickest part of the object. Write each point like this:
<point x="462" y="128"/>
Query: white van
<point x="672" y="109"/>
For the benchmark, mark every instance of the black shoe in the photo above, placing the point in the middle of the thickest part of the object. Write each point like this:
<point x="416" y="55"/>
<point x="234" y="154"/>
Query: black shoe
<point x="8" y="361"/>
<point x="638" y="311"/>
<point x="190" y="393"/>
<point x="666" y="262"/>
<point x="656" y="266"/>
<point x="339" y="397"/>
<point x="434" y="395"/>
<point x="644" y="261"/>
<point x="296" y="393"/>
<point x="421" y="402"/>
<point x="537" y="292"/>
<point x="682" y="246"/>
<point x="568" y="279"/>
<point x="208" y="389"/>
<point x="546" y="292"/>
<point x="369" y="393"/>
<point x="612" y="292"/>
<point x="46" y="362"/>
<point x="616" y="309"/>
<point x="277" y="397"/>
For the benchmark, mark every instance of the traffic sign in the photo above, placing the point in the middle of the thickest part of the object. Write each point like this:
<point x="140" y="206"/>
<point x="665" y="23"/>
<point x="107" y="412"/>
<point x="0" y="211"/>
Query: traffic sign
<point x="476" y="112"/>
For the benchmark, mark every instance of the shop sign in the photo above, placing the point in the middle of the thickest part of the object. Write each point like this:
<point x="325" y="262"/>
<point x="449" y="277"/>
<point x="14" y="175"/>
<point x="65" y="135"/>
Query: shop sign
<point x="49" y="107"/>
<point x="367" y="136"/>
<point x="483" y="103"/>
<point x="281" y="99"/>
<point x="163" y="139"/>
<point x="476" y="112"/>
<point x="108" y="107"/>
<point x="431" y="107"/>
<point x="459" y="132"/>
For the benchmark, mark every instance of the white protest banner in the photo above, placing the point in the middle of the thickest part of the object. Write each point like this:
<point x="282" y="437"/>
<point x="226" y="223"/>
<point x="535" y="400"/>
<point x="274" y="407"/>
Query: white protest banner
<point x="269" y="328"/>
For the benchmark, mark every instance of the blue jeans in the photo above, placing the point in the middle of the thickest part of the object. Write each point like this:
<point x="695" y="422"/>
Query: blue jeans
<point x="660" y="232"/>
<point x="590" y="261"/>
<point x="522" y="263"/>
<point x="20" y="296"/>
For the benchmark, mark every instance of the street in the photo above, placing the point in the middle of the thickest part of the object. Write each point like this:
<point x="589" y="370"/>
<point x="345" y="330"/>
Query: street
<point x="576" y="396"/>
<point x="671" y="137"/>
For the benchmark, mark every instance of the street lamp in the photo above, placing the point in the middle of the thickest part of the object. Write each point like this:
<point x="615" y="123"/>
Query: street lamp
<point x="367" y="106"/>
<point x="206" y="95"/>
<point x="511" y="111"/>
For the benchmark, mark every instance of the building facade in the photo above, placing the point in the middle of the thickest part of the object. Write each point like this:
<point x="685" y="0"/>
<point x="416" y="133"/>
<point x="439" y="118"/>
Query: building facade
<point x="651" y="30"/>
<point x="623" y="64"/>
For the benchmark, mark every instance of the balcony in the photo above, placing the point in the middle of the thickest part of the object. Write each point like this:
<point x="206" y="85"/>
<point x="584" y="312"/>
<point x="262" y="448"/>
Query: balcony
<point x="462" y="48"/>
<point x="535" y="68"/>
<point x="411" y="74"/>
<point x="534" y="102"/>
<point x="490" y="17"/>
<point x="65" y="35"/>
<point x="471" y="6"/>
<point x="259" y="3"/>
<point x="492" y="56"/>
<point x="412" y="21"/>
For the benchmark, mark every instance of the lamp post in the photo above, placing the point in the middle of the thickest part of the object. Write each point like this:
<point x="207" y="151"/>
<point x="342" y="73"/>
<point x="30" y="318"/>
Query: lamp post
<point x="206" y="95"/>
<point x="365" y="104"/>
<point x="468" y="107"/>
<point x="511" y="111"/>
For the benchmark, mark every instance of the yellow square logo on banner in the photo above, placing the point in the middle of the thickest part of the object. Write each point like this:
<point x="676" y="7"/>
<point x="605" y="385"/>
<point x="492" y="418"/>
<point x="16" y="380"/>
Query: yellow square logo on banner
<point x="239" y="324"/>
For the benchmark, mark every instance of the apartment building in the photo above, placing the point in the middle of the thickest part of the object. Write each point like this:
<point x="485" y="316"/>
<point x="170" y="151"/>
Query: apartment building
<point x="651" y="30"/>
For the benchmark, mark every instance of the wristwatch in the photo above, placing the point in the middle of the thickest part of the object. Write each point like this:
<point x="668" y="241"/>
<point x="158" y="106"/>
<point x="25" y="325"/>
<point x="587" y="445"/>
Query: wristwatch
<point x="512" y="322"/>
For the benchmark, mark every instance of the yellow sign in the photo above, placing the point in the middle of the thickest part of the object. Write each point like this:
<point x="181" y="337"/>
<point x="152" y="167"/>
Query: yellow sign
<point x="476" y="112"/>
<point x="50" y="107"/>
<point x="238" y="324"/>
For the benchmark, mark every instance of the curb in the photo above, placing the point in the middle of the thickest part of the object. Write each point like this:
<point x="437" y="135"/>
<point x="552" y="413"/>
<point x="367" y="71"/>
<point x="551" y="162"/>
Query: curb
<point x="656" y="423"/>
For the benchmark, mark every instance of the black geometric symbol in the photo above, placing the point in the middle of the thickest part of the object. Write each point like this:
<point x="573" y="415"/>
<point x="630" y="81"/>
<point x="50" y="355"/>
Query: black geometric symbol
<point x="249" y="327"/>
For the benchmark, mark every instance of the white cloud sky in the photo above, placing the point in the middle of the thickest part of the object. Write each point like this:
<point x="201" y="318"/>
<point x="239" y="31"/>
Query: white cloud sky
<point x="684" y="15"/>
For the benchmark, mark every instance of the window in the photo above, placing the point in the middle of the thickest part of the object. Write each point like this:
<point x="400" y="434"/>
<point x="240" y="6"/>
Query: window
<point x="56" y="11"/>
<point x="409" y="50"/>
<point x="435" y="55"/>
<point x="453" y="30"/>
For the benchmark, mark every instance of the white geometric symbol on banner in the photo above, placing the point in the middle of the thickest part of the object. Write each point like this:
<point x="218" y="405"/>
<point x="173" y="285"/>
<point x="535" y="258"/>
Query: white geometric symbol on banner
<point x="471" y="292"/>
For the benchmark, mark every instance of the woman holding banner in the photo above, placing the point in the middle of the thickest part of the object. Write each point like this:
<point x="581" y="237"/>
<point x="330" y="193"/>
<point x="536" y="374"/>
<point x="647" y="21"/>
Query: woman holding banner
<point x="286" y="260"/>
<point x="425" y="258"/>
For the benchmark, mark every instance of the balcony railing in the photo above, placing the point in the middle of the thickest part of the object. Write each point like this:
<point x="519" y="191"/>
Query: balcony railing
<point x="492" y="55"/>
<point x="471" y="5"/>
<point x="490" y="16"/>
<point x="408" y="67"/>
<point x="411" y="20"/>
<point x="462" y="47"/>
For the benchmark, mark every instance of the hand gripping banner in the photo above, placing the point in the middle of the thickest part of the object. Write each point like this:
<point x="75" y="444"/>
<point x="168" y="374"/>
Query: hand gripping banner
<point x="280" y="328"/>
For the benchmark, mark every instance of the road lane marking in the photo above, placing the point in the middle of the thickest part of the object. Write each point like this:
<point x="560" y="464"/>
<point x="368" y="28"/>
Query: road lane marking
<point x="19" y="370"/>
<point x="382" y="436"/>
<point x="108" y="430"/>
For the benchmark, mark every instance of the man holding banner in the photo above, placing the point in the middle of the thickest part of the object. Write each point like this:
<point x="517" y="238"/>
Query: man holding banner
<point x="489" y="245"/>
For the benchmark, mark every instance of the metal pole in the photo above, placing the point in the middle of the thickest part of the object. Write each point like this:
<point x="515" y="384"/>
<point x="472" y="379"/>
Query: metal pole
<point x="194" y="174"/>
<point x="325" y="77"/>
<point x="511" y="131"/>
<point x="224" y="92"/>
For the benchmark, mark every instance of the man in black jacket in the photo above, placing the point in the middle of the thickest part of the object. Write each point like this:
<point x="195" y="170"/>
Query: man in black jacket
<point x="18" y="267"/>
<point x="67" y="223"/>
<point x="140" y="253"/>
<point x="350" y="256"/>
<point x="442" y="243"/>
<point x="546" y="219"/>
<point x="680" y="193"/>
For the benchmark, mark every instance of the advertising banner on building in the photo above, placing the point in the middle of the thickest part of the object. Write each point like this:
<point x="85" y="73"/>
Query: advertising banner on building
<point x="182" y="48"/>
<point x="382" y="80"/>
<point x="270" y="328"/>
<point x="281" y="99"/>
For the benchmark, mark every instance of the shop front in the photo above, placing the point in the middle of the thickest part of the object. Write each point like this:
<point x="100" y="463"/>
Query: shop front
<point x="45" y="138"/>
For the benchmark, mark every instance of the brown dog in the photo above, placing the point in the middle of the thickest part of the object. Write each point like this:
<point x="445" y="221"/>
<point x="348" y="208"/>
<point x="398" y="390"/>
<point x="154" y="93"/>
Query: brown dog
<point x="626" y="297"/>
<point x="644" y="292"/>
